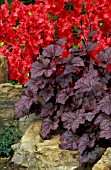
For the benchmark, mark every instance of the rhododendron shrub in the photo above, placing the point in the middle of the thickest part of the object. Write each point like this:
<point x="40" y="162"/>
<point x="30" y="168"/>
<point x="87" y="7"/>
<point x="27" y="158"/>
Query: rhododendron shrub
<point x="72" y="94"/>
<point x="25" y="30"/>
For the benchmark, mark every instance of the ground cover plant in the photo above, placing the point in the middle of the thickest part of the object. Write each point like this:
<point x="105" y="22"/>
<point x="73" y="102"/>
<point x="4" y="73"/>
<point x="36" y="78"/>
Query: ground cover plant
<point x="8" y="136"/>
<point x="27" y="29"/>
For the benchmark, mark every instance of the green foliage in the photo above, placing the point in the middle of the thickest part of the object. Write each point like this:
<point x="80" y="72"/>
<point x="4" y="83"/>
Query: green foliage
<point x="14" y="82"/>
<point x="52" y="17"/>
<point x="26" y="2"/>
<point x="8" y="136"/>
<point x="9" y="2"/>
<point x="69" y="6"/>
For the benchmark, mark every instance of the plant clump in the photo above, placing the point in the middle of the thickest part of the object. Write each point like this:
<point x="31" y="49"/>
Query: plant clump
<point x="8" y="136"/>
<point x="73" y="94"/>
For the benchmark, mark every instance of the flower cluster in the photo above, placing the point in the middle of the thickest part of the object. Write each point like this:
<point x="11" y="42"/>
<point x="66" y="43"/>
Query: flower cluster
<point x="25" y="30"/>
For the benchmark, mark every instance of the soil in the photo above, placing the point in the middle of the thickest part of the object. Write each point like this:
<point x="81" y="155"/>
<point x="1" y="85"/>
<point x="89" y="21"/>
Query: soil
<point x="6" y="164"/>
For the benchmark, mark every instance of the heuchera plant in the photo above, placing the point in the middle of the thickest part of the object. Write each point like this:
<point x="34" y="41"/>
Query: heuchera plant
<point x="72" y="94"/>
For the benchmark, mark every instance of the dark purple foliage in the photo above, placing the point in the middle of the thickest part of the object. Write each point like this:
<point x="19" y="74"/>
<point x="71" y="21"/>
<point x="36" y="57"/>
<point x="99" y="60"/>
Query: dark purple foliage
<point x="23" y="105"/>
<point x="92" y="33"/>
<point x="88" y="82"/>
<point x="90" y="155"/>
<point x="48" y="124"/>
<point x="64" y="95"/>
<point x="104" y="123"/>
<point x="73" y="65"/>
<point x="105" y="55"/>
<point x="72" y="120"/>
<point x="52" y="51"/>
<point x="47" y="93"/>
<point x="89" y="103"/>
<point x="20" y="109"/>
<point x="84" y="142"/>
<point x="72" y="94"/>
<point x="42" y="67"/>
<point x="105" y="104"/>
<point x="89" y="46"/>
<point x="62" y="41"/>
<point x="64" y="80"/>
<point x="68" y="141"/>
<point x="90" y="115"/>
<point x="47" y="110"/>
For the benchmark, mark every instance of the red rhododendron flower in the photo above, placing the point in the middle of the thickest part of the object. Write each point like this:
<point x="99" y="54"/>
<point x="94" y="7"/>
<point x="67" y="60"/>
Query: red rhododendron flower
<point x="24" y="29"/>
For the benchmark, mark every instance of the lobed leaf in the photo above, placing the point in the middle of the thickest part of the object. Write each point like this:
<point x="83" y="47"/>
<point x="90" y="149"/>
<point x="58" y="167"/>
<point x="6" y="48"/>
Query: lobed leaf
<point x="105" y="104"/>
<point x="47" y="93"/>
<point x="68" y="141"/>
<point x="52" y="51"/>
<point x="47" y="125"/>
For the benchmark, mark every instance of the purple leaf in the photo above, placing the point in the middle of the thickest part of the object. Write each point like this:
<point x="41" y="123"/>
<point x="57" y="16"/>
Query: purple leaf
<point x="38" y="68"/>
<point x="104" y="123"/>
<point x="92" y="33"/>
<point x="80" y="119"/>
<point x="50" y="70"/>
<point x="105" y="127"/>
<point x="89" y="155"/>
<point x="48" y="125"/>
<point x="89" y="46"/>
<point x="87" y="83"/>
<point x="64" y="95"/>
<point x="70" y="69"/>
<point x="72" y="120"/>
<point x="47" y="93"/>
<point x="89" y="103"/>
<point x="28" y="98"/>
<point x="62" y="41"/>
<point x="19" y="109"/>
<point x="85" y="142"/>
<point x="90" y="115"/>
<point x="59" y="113"/>
<point x="52" y="51"/>
<point x="75" y="51"/>
<point x="76" y="101"/>
<point x="47" y="110"/>
<point x="105" y="104"/>
<point x="68" y="119"/>
<point x="42" y="67"/>
<point x="34" y="85"/>
<point x="75" y="63"/>
<point x="68" y="141"/>
<point x="99" y="119"/>
<point x="24" y="103"/>
<point x="105" y="55"/>
<point x="64" y="80"/>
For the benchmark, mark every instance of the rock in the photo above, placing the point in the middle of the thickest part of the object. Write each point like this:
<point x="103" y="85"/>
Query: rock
<point x="37" y="154"/>
<point x="105" y="162"/>
<point x="9" y="94"/>
<point x="26" y="121"/>
<point x="3" y="69"/>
